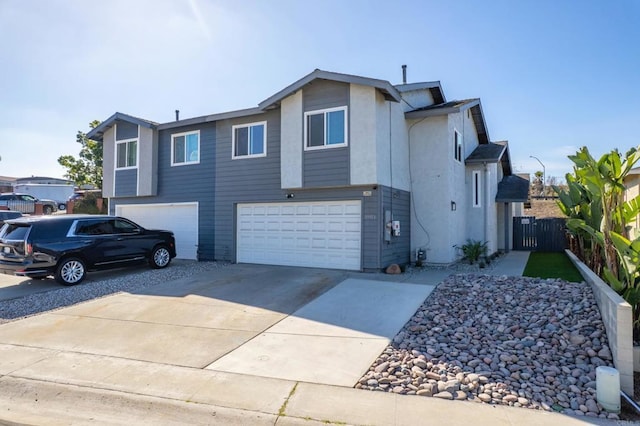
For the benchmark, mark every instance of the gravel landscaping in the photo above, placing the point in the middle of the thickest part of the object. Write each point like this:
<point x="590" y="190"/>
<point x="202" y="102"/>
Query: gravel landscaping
<point x="95" y="286"/>
<point x="517" y="341"/>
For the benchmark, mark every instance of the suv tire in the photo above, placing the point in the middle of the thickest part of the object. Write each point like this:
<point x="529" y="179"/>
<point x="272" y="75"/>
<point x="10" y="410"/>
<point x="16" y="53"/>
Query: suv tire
<point x="160" y="257"/>
<point x="70" y="271"/>
<point x="47" y="210"/>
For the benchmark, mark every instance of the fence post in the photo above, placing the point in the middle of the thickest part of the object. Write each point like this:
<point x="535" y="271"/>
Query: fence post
<point x="38" y="209"/>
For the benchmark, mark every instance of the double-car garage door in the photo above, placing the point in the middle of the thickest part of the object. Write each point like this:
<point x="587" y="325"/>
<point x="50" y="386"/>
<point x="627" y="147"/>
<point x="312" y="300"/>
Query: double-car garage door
<point x="181" y="218"/>
<point x="323" y="234"/>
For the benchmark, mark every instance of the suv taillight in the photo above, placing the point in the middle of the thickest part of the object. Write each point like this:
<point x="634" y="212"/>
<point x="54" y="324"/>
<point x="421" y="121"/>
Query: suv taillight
<point x="28" y="249"/>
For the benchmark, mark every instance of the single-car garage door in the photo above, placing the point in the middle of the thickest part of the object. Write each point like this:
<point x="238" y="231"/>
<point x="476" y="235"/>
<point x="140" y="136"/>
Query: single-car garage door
<point x="181" y="218"/>
<point x="323" y="234"/>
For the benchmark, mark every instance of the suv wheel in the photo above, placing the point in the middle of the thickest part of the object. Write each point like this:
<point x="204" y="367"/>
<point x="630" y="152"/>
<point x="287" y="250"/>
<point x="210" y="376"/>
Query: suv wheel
<point x="71" y="271"/>
<point x="47" y="209"/>
<point x="160" y="257"/>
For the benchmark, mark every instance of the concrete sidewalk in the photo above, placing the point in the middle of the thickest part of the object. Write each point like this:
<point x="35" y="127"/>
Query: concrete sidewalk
<point x="46" y="379"/>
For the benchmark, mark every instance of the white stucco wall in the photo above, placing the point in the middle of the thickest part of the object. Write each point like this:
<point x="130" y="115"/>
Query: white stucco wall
<point x="416" y="99"/>
<point x="108" y="162"/>
<point x="291" y="141"/>
<point x="433" y="223"/>
<point x="482" y="223"/>
<point x="392" y="145"/>
<point x="362" y="138"/>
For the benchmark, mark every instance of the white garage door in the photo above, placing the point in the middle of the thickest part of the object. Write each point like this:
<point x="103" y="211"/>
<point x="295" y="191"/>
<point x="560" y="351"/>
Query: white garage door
<point x="181" y="218"/>
<point x="314" y="234"/>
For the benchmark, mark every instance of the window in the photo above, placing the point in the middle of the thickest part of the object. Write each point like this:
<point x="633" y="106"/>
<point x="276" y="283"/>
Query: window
<point x="325" y="128"/>
<point x="127" y="154"/>
<point x="249" y="140"/>
<point x="457" y="145"/>
<point x="185" y="148"/>
<point x="477" y="189"/>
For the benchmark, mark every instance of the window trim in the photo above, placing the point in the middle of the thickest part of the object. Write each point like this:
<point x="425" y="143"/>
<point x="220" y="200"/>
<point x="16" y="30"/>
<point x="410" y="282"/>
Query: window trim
<point x="458" y="145"/>
<point x="248" y="125"/>
<point x="476" y="189"/>
<point x="185" y="134"/>
<point x="325" y="111"/>
<point x="127" y="142"/>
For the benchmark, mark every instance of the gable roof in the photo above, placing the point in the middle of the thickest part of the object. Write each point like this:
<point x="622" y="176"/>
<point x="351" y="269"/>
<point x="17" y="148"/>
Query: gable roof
<point x="433" y="86"/>
<point x="452" y="107"/>
<point x="487" y="153"/>
<point x="492" y="152"/>
<point x="512" y="189"/>
<point x="390" y="92"/>
<point x="98" y="132"/>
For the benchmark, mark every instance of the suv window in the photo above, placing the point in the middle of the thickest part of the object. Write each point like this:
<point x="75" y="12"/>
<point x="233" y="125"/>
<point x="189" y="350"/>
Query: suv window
<point x="125" y="227"/>
<point x="49" y="230"/>
<point x="15" y="231"/>
<point x="95" y="227"/>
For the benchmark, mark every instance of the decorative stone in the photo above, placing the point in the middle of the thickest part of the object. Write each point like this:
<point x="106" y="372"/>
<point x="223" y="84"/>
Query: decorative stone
<point x="393" y="269"/>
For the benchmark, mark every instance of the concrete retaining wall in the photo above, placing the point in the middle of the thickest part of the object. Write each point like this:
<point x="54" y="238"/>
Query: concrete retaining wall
<point x="618" y="322"/>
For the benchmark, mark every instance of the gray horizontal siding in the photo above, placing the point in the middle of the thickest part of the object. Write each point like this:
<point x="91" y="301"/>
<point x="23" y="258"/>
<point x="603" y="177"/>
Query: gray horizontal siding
<point x="398" y="250"/>
<point x="326" y="167"/>
<point x="188" y="183"/>
<point x="126" y="183"/>
<point x="321" y="94"/>
<point x="126" y="130"/>
<point x="243" y="180"/>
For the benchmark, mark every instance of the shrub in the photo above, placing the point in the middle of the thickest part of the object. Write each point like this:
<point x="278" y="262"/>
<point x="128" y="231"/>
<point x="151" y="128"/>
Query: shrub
<point x="89" y="205"/>
<point x="472" y="250"/>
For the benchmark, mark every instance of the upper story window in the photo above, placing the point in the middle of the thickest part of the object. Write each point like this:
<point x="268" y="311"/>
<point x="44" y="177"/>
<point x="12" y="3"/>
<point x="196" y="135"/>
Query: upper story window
<point x="126" y="154"/>
<point x="185" y="148"/>
<point x="457" y="145"/>
<point x="325" y="128"/>
<point x="249" y="140"/>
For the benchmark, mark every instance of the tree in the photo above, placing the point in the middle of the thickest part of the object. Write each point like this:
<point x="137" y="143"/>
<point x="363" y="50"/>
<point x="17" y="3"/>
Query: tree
<point x="597" y="209"/>
<point x="87" y="168"/>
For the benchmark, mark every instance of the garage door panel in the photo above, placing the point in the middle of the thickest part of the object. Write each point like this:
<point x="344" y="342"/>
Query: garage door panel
<point x="314" y="234"/>
<point x="180" y="218"/>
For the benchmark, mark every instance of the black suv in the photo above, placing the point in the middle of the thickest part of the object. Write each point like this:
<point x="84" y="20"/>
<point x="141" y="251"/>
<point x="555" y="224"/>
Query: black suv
<point x="67" y="246"/>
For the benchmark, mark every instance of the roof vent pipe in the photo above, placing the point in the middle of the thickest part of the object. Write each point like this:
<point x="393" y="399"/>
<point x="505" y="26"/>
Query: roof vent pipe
<point x="177" y="115"/>
<point x="404" y="74"/>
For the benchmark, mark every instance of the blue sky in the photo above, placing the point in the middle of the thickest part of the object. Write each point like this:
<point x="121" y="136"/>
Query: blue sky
<point x="553" y="75"/>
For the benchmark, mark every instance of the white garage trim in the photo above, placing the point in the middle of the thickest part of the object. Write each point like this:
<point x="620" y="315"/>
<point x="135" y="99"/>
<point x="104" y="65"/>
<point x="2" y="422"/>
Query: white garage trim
<point x="180" y="218"/>
<point x="322" y="234"/>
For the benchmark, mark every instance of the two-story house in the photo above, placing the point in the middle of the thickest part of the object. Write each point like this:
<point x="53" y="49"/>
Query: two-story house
<point x="333" y="171"/>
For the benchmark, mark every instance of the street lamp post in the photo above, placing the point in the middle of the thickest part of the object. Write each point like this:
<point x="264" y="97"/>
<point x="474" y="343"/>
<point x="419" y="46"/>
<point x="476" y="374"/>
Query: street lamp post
<point x="544" y="173"/>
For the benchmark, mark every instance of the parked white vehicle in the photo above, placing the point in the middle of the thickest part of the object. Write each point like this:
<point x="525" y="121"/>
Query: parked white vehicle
<point x="59" y="193"/>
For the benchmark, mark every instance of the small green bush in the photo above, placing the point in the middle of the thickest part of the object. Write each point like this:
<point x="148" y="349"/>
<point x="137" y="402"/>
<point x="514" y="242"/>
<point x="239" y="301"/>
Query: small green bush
<point x="472" y="250"/>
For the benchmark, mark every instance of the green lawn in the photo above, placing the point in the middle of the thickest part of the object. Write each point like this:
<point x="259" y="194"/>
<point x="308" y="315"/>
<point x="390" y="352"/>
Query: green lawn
<point x="551" y="265"/>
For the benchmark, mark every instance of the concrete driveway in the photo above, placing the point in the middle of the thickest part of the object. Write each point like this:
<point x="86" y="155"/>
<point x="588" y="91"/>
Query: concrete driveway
<point x="250" y="345"/>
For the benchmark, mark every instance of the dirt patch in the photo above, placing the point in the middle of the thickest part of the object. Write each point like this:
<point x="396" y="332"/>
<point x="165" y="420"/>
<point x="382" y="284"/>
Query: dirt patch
<point x="544" y="209"/>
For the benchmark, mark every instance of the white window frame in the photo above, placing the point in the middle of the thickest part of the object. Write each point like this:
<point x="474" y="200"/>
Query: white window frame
<point x="127" y="142"/>
<point x="248" y="125"/>
<point x="476" y="189"/>
<point x="186" y="162"/>
<point x="325" y="112"/>
<point x="458" y="145"/>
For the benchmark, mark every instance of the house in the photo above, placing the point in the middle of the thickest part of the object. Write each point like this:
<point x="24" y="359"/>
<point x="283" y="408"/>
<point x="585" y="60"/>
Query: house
<point x="632" y="190"/>
<point x="333" y="171"/>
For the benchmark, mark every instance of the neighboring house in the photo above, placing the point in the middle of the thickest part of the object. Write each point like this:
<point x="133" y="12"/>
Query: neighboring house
<point x="43" y="180"/>
<point x="632" y="185"/>
<point x="6" y="183"/>
<point x="333" y="171"/>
